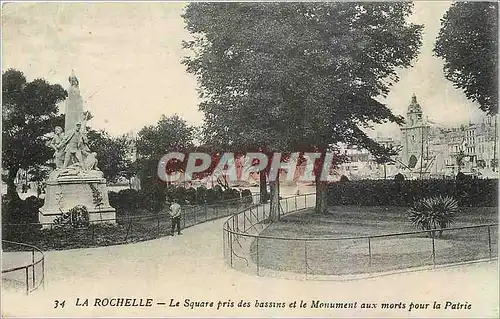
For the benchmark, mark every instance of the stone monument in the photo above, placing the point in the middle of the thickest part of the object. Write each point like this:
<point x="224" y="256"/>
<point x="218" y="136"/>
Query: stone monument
<point x="77" y="179"/>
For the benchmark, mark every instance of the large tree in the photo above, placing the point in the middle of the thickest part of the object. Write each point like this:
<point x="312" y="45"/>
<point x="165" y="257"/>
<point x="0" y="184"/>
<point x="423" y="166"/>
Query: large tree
<point x="112" y="154"/>
<point x="170" y="134"/>
<point x="298" y="76"/>
<point x="29" y="112"/>
<point x="468" y="43"/>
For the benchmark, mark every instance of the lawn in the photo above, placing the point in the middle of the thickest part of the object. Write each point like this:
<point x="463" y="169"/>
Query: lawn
<point x="352" y="256"/>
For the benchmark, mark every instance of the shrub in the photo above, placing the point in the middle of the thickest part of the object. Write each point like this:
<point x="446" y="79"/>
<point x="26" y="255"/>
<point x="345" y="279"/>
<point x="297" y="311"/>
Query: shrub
<point x="190" y="196"/>
<point x="201" y="195"/>
<point x="246" y="194"/>
<point x="20" y="211"/>
<point x="230" y="193"/>
<point x="344" y="179"/>
<point x="436" y="212"/>
<point x="399" y="177"/>
<point x="473" y="193"/>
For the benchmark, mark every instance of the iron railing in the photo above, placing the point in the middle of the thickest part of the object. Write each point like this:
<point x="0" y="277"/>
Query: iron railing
<point x="247" y="248"/>
<point x="30" y="274"/>
<point x="129" y="228"/>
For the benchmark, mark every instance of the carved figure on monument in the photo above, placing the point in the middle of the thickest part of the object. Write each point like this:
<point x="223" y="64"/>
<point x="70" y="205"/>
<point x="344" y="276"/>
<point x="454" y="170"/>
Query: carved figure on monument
<point x="54" y="143"/>
<point x="75" y="144"/>
<point x="91" y="161"/>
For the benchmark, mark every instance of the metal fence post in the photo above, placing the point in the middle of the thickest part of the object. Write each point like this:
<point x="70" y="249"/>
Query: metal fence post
<point x="43" y="272"/>
<point x="27" y="281"/>
<point x="489" y="241"/>
<point x="305" y="256"/>
<point x="257" y="256"/>
<point x="223" y="243"/>
<point x="33" y="267"/>
<point x="206" y="212"/>
<point x="433" y="250"/>
<point x="370" y="254"/>
<point x="231" y="248"/>
<point x="183" y="218"/>
<point x="158" y="225"/>
<point x="295" y="198"/>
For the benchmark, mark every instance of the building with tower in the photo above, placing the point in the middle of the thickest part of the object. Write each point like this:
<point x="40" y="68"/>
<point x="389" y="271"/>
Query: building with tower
<point x="414" y="137"/>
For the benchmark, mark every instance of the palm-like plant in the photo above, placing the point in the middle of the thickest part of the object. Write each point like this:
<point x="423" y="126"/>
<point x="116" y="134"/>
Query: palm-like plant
<point x="433" y="212"/>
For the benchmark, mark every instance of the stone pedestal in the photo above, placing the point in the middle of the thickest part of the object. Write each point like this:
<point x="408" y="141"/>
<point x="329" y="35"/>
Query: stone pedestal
<point x="64" y="193"/>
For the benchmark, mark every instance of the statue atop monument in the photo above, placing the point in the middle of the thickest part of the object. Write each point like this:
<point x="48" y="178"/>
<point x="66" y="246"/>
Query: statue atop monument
<point x="74" y="104"/>
<point x="73" y="80"/>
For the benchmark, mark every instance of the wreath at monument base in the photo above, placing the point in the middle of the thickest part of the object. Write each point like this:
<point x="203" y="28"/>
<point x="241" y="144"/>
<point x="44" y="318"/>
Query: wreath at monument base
<point x="76" y="217"/>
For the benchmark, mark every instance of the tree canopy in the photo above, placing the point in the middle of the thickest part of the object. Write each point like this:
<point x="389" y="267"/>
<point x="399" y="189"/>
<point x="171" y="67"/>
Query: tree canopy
<point x="29" y="112"/>
<point x="297" y="76"/>
<point x="170" y="134"/>
<point x="112" y="154"/>
<point x="468" y="43"/>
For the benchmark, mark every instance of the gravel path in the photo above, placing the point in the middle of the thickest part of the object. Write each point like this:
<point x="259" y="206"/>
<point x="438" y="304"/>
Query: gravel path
<point x="191" y="267"/>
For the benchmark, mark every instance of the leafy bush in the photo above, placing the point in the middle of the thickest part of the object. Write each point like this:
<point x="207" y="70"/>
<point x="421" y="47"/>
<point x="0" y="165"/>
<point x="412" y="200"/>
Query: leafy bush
<point x="436" y="212"/>
<point x="246" y="194"/>
<point x="472" y="193"/>
<point x="399" y="177"/>
<point x="132" y="202"/>
<point x="230" y="194"/>
<point x="20" y="211"/>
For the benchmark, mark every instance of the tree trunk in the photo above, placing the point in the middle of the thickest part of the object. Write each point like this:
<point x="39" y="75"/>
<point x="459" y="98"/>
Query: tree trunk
<point x="274" y="206"/>
<point x="263" y="187"/>
<point x="320" y="196"/>
<point x="11" y="186"/>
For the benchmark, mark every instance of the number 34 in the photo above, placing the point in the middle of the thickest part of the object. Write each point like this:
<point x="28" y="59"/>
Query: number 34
<point x="58" y="303"/>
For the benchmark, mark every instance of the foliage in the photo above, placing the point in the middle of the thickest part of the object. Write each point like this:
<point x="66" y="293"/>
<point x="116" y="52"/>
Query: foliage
<point x="76" y="217"/>
<point x="399" y="177"/>
<point x="112" y="154"/>
<point x="170" y="134"/>
<point x="29" y="112"/>
<point x="433" y="213"/>
<point x="97" y="198"/>
<point x="343" y="179"/>
<point x="297" y="76"/>
<point x="473" y="193"/>
<point x="15" y="211"/>
<point x="132" y="201"/>
<point x="468" y="43"/>
<point x="246" y="194"/>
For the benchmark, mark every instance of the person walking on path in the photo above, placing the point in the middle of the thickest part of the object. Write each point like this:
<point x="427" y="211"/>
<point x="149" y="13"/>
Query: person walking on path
<point x="175" y="212"/>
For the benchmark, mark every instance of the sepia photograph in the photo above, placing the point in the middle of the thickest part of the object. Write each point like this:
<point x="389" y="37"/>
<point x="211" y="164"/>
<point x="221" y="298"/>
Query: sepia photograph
<point x="250" y="159"/>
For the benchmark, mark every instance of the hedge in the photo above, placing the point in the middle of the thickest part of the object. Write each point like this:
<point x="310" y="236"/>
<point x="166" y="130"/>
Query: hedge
<point x="153" y="200"/>
<point x="469" y="192"/>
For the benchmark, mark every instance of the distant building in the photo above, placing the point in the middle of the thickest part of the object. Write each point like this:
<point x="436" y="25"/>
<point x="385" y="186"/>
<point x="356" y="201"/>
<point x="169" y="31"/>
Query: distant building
<point x="414" y="137"/>
<point x="430" y="150"/>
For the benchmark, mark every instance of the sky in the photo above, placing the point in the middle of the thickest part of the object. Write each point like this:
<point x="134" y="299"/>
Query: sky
<point x="127" y="57"/>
